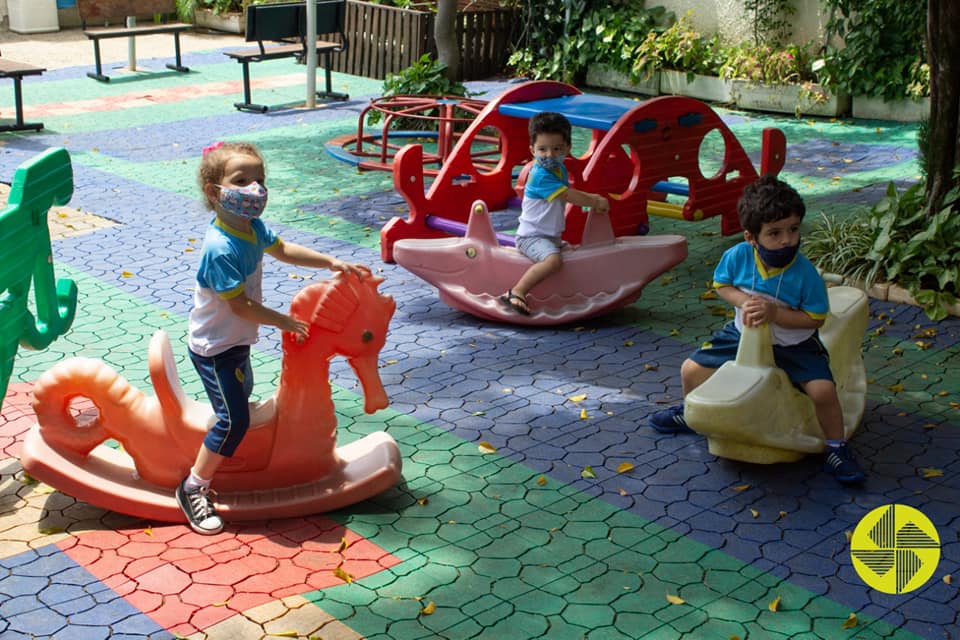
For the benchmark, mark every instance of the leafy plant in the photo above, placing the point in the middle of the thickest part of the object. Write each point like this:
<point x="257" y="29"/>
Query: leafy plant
<point x="917" y="249"/>
<point x="681" y="48"/>
<point x="425" y="77"/>
<point x="559" y="38"/>
<point x="765" y="64"/>
<point x="883" y="46"/>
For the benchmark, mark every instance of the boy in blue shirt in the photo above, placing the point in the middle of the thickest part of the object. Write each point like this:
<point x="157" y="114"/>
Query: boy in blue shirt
<point x="545" y="197"/>
<point x="768" y="280"/>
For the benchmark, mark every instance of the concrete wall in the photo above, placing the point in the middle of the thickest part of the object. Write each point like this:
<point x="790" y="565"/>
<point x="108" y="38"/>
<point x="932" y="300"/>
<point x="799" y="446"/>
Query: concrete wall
<point x="728" y="18"/>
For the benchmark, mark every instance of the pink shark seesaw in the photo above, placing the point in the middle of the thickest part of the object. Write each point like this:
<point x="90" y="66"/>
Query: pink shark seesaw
<point x="603" y="273"/>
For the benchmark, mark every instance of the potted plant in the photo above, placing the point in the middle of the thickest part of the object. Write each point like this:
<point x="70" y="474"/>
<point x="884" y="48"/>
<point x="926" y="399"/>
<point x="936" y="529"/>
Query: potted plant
<point x="688" y="63"/>
<point x="220" y="15"/>
<point x="783" y="80"/>
<point x="612" y="35"/>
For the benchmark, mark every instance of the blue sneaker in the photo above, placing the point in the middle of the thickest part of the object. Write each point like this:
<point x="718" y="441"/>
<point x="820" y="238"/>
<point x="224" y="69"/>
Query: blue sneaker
<point x="843" y="465"/>
<point x="670" y="421"/>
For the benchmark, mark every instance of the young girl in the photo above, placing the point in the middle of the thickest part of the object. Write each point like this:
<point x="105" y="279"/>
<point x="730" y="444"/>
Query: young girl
<point x="227" y="309"/>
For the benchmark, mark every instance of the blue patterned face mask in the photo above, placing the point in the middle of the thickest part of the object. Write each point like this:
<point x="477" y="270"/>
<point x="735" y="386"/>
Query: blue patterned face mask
<point x="246" y="202"/>
<point x="777" y="258"/>
<point x="551" y="163"/>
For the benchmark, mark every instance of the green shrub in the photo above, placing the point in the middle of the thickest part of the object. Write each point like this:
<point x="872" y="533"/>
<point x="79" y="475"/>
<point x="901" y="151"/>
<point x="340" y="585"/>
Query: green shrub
<point x="681" y="48"/>
<point x="908" y="245"/>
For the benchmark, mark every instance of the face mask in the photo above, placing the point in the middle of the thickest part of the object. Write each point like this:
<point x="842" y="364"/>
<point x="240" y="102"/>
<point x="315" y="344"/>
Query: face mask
<point x="777" y="258"/>
<point x="551" y="163"/>
<point x="246" y="202"/>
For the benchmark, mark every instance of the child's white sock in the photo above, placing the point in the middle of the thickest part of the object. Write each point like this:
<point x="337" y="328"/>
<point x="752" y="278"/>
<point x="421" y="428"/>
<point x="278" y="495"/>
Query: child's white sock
<point x="832" y="444"/>
<point x="195" y="482"/>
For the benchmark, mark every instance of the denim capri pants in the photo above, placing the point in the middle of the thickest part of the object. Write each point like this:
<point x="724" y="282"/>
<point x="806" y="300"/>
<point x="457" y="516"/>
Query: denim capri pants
<point x="228" y="380"/>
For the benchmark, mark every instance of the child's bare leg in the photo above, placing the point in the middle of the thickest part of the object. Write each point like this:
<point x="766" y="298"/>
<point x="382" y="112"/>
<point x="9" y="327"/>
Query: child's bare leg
<point x="829" y="414"/>
<point x="537" y="272"/>
<point x="692" y="375"/>
<point x="207" y="463"/>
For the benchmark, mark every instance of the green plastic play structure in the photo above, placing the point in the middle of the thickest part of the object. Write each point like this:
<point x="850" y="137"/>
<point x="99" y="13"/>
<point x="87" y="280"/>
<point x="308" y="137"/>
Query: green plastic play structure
<point x="25" y="256"/>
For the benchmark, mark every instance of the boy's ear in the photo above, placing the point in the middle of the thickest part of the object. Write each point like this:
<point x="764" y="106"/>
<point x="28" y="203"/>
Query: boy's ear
<point x="749" y="237"/>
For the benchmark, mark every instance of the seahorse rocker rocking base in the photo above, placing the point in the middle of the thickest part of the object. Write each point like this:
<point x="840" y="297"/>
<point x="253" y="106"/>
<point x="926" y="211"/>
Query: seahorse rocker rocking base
<point x="750" y="411"/>
<point x="288" y="463"/>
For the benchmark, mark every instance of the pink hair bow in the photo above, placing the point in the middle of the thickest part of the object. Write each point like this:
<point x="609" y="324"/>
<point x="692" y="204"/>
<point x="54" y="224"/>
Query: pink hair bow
<point x="212" y="147"/>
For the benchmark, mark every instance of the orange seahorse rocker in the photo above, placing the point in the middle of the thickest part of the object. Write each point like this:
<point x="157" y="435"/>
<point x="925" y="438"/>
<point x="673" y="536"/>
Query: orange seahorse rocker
<point x="288" y="463"/>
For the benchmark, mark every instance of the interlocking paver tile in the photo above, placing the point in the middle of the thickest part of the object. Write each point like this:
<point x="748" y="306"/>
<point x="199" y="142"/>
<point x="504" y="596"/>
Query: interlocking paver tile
<point x="501" y="553"/>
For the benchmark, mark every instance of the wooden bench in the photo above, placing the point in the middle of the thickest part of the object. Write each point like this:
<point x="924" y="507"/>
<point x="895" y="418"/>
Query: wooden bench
<point x="93" y="12"/>
<point x="17" y="71"/>
<point x="285" y="26"/>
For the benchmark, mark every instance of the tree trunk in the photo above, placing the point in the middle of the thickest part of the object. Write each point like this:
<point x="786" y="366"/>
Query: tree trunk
<point x="943" y="153"/>
<point x="445" y="33"/>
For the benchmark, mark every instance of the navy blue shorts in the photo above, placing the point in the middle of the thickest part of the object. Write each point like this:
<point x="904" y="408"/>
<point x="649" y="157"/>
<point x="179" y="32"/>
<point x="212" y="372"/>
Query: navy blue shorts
<point x="228" y="380"/>
<point x="802" y="362"/>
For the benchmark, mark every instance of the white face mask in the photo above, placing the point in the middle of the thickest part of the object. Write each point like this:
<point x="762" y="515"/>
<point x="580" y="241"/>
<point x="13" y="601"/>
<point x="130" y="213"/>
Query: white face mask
<point x="246" y="202"/>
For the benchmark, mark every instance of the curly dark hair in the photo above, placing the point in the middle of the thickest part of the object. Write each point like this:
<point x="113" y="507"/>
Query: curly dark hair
<point x="549" y="122"/>
<point x="767" y="200"/>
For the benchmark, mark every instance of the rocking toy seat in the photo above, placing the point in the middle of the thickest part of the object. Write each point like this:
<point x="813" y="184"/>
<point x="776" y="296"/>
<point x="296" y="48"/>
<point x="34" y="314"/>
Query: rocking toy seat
<point x="750" y="411"/>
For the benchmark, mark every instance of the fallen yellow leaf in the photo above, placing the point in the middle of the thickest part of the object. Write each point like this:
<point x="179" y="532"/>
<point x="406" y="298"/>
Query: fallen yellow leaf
<point x="774" y="604"/>
<point x="588" y="472"/>
<point x="706" y="345"/>
<point x="624" y="467"/>
<point x="422" y="501"/>
<point x="343" y="575"/>
<point x="51" y="531"/>
<point x="850" y="622"/>
<point x="541" y="481"/>
<point x="148" y="531"/>
<point x="583" y="414"/>
<point x="848" y="535"/>
<point x="672" y="599"/>
<point x="650" y="367"/>
<point x="931" y="472"/>
<point x="628" y="343"/>
<point x="220" y="604"/>
<point x="622" y="492"/>
<point x="486" y="447"/>
<point x="947" y="579"/>
<point x="896" y="388"/>
<point x="126" y="274"/>
<point x="344" y="544"/>
<point x="754" y="513"/>
<point x="741" y="487"/>
<point x="709" y="295"/>
<point x="286" y="634"/>
<point x="430" y="608"/>
<point x="578" y="398"/>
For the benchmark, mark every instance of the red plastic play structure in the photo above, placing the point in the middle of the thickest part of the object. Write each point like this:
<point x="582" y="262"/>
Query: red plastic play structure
<point x="635" y="148"/>
<point x="288" y="464"/>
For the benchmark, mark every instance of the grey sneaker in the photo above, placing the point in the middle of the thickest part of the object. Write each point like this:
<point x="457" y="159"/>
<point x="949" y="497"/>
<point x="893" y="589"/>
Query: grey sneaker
<point x="198" y="508"/>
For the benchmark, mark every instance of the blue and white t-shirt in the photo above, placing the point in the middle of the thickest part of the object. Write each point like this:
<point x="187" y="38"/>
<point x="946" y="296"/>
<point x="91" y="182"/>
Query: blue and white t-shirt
<point x="796" y="286"/>
<point x="541" y="213"/>
<point x="231" y="265"/>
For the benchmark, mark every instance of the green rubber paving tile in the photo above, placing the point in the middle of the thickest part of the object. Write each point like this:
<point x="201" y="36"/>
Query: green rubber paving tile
<point x="579" y="587"/>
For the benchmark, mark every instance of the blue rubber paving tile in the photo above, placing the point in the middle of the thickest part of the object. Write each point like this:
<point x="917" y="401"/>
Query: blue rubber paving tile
<point x="44" y="593"/>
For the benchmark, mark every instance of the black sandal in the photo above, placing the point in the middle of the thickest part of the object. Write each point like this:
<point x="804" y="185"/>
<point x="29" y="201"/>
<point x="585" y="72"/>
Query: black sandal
<point x="515" y="302"/>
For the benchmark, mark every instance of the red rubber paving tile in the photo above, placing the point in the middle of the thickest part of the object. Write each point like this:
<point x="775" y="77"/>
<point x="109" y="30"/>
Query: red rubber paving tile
<point x="187" y="582"/>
